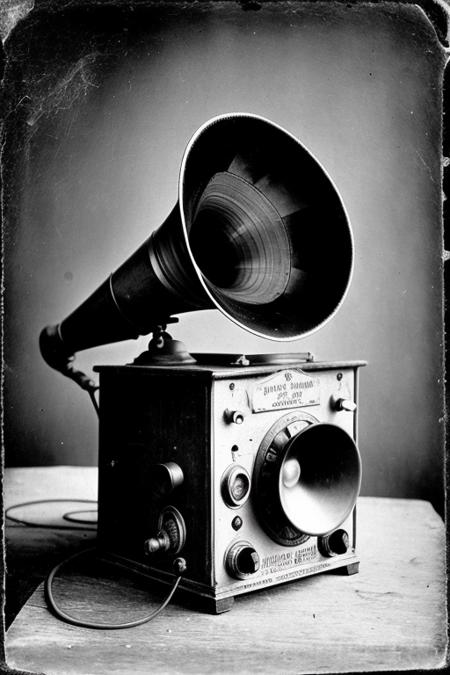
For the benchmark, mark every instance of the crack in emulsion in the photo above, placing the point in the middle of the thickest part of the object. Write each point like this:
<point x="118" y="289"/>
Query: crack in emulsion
<point x="427" y="166"/>
<point x="75" y="83"/>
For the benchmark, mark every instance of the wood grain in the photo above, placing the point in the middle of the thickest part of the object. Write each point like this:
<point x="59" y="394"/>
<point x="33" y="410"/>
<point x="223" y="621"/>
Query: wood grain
<point x="392" y="615"/>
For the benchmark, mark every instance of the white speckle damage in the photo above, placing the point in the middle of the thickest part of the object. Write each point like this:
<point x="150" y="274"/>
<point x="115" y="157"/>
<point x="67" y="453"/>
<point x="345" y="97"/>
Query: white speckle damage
<point x="11" y="12"/>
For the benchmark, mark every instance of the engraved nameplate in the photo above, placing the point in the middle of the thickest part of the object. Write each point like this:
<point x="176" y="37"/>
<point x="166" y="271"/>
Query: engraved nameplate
<point x="286" y="389"/>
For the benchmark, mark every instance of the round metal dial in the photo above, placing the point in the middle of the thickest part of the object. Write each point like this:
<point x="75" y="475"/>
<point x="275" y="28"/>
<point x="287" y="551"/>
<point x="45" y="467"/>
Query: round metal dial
<point x="235" y="486"/>
<point x="266" y="475"/>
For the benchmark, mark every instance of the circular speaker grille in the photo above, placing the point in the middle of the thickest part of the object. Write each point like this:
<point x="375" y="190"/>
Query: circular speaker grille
<point x="307" y="477"/>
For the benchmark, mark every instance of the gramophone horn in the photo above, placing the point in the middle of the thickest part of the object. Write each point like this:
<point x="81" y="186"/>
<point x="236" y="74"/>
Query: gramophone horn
<point x="259" y="232"/>
<point x="265" y="227"/>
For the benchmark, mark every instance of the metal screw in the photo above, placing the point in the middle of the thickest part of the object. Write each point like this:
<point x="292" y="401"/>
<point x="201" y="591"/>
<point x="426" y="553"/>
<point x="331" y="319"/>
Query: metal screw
<point x="180" y="565"/>
<point x="232" y="386"/>
<point x="236" y="523"/>
<point x="339" y="376"/>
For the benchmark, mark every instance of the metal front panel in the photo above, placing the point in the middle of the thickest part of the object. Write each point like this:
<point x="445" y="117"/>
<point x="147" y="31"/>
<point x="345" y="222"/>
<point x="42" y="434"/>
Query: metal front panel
<point x="238" y="444"/>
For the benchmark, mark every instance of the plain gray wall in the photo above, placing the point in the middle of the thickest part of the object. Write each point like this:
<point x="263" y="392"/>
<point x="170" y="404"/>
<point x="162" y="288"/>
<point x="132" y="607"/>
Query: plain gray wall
<point x="360" y="87"/>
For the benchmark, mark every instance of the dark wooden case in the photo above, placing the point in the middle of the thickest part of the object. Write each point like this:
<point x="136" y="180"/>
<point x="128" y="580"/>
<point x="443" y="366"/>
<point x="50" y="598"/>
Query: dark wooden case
<point x="156" y="414"/>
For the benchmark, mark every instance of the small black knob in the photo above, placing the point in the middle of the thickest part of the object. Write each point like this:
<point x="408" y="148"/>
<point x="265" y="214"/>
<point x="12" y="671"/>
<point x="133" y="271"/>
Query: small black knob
<point x="248" y="561"/>
<point x="233" y="416"/>
<point x="335" y="543"/>
<point x="242" y="560"/>
<point x="165" y="478"/>
<point x="236" y="523"/>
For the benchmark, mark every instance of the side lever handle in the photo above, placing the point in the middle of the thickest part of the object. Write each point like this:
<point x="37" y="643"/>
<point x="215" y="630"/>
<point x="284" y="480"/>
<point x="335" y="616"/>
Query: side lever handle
<point x="171" y="534"/>
<point x="347" y="404"/>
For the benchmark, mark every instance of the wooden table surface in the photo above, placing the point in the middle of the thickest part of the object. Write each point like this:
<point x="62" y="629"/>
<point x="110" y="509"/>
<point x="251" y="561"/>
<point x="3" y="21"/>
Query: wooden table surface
<point x="390" y="616"/>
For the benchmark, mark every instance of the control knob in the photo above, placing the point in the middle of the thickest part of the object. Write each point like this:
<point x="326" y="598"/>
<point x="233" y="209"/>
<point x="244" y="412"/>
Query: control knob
<point x="171" y="533"/>
<point x="233" y="416"/>
<point x="242" y="560"/>
<point x="165" y="478"/>
<point x="340" y="404"/>
<point x="335" y="543"/>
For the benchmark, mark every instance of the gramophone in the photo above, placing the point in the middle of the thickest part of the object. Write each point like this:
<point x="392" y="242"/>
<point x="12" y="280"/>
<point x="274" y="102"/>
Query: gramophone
<point x="236" y="471"/>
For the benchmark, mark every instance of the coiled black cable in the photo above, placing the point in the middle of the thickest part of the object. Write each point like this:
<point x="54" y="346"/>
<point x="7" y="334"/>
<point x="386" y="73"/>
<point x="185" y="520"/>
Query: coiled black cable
<point x="48" y="585"/>
<point x="61" y="614"/>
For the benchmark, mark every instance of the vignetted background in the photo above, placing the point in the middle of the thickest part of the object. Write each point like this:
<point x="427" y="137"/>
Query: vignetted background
<point x="105" y="102"/>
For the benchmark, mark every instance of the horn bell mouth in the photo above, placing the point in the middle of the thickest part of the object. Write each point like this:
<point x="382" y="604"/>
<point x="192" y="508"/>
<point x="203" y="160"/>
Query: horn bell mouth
<point x="319" y="478"/>
<point x="264" y="226"/>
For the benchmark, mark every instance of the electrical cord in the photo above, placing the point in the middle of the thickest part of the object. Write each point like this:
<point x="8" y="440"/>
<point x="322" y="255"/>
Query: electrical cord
<point x="61" y="614"/>
<point x="48" y="586"/>
<point x="91" y="389"/>
<point x="70" y="516"/>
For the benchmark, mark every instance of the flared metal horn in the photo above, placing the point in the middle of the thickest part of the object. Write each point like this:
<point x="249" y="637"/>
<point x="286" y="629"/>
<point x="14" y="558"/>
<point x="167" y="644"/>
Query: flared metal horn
<point x="259" y="232"/>
<point x="319" y="478"/>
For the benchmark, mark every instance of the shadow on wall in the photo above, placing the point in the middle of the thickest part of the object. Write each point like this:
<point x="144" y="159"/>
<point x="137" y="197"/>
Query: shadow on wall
<point x="104" y="117"/>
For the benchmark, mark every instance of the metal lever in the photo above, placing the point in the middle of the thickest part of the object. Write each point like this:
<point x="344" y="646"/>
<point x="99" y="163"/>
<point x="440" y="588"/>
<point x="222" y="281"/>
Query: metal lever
<point x="171" y="535"/>
<point x="347" y="404"/>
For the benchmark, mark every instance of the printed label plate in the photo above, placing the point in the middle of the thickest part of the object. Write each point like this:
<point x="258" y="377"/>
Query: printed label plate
<point x="286" y="389"/>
